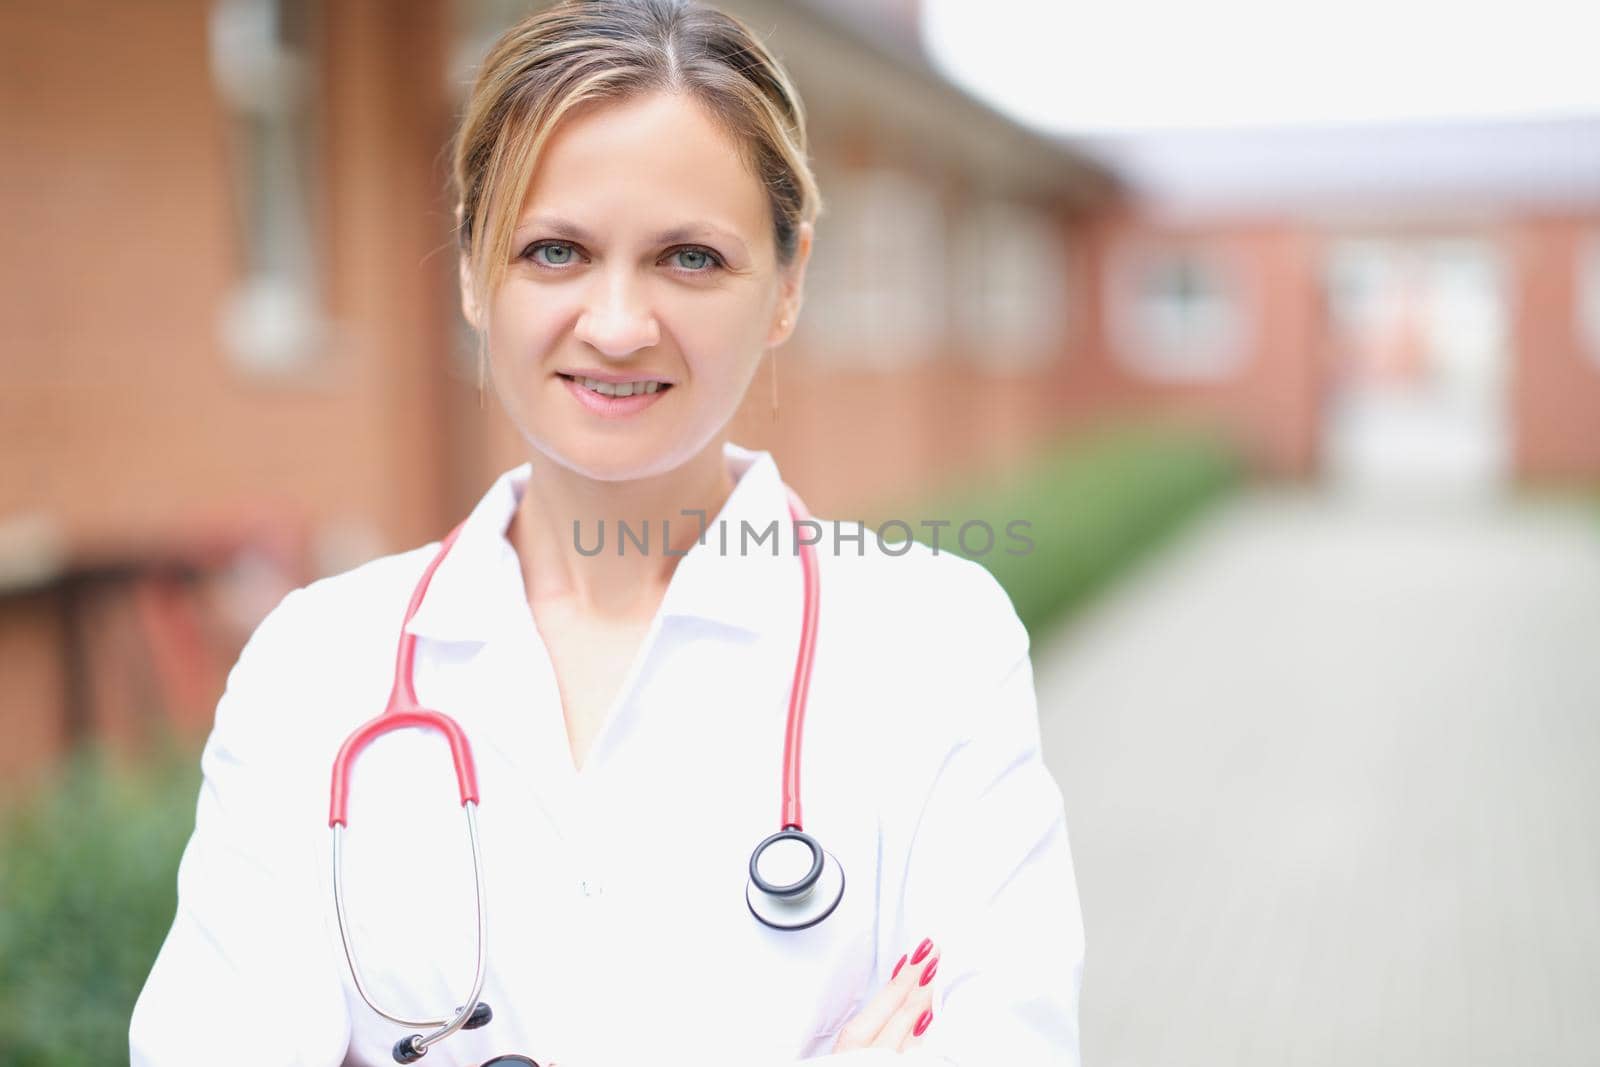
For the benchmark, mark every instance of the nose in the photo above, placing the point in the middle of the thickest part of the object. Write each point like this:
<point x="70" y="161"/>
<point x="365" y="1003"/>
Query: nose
<point x="616" y="319"/>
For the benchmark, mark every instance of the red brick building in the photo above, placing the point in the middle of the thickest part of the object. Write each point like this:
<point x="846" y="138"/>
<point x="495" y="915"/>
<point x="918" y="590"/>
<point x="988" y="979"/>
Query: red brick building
<point x="232" y="356"/>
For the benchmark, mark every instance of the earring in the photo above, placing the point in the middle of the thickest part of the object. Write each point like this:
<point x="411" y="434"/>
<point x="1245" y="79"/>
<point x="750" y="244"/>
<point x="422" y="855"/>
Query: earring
<point x="773" y="355"/>
<point x="482" y="359"/>
<point x="783" y="324"/>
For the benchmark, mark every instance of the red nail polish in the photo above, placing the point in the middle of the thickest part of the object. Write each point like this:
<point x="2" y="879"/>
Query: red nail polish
<point x="922" y="1023"/>
<point x="897" y="967"/>
<point x="922" y="950"/>
<point x="929" y="971"/>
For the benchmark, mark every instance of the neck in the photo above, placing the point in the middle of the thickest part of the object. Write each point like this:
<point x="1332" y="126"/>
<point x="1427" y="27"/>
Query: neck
<point x="563" y="515"/>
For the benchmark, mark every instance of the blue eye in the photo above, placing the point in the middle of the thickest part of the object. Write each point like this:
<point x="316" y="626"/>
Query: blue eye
<point x="562" y="253"/>
<point x="696" y="260"/>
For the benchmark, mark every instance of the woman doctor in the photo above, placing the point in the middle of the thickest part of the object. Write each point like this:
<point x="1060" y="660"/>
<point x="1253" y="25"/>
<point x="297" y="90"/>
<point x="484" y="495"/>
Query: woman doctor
<point x="635" y="207"/>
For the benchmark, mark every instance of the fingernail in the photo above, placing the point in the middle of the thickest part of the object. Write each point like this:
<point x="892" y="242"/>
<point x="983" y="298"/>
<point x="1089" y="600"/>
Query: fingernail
<point x="897" y="967"/>
<point x="922" y="950"/>
<point x="922" y="1023"/>
<point x="929" y="970"/>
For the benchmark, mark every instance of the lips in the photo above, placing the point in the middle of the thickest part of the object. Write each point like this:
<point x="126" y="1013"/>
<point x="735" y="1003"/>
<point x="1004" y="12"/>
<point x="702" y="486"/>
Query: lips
<point x="620" y="389"/>
<point x="610" y="386"/>
<point x="611" y="404"/>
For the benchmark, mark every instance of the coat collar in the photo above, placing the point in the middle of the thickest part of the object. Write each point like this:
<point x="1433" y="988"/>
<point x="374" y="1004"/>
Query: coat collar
<point x="480" y="579"/>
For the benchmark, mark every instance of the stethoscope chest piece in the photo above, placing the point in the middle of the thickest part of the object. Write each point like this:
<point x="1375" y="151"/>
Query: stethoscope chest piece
<point x="793" y="882"/>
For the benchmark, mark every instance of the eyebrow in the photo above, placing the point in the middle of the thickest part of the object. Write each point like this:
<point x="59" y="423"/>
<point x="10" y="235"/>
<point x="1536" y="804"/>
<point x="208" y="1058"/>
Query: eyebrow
<point x="569" y="230"/>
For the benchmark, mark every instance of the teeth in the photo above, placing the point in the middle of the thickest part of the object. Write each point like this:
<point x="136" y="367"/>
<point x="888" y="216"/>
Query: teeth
<point x="622" y="389"/>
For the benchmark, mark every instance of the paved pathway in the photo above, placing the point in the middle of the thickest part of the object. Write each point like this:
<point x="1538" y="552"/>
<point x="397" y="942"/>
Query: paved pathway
<point x="1332" y="772"/>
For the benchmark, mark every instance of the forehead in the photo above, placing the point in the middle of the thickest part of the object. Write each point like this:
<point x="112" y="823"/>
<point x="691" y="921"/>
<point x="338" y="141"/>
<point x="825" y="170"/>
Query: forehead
<point x="654" y="160"/>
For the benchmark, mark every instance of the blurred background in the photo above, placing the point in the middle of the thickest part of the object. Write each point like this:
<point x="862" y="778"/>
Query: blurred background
<point x="1280" y="323"/>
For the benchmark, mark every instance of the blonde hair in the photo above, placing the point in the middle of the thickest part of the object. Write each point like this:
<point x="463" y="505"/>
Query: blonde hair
<point x="579" y="51"/>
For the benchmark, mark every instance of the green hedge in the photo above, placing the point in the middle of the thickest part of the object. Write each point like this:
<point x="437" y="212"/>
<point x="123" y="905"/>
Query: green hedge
<point x="88" y="890"/>
<point x="1095" y="502"/>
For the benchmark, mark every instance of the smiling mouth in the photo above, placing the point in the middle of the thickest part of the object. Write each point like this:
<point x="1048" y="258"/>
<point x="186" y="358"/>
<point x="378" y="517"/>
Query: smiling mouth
<point x="594" y="385"/>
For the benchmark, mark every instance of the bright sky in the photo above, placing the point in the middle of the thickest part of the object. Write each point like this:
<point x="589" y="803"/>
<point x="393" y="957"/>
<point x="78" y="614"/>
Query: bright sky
<point x="1106" y="65"/>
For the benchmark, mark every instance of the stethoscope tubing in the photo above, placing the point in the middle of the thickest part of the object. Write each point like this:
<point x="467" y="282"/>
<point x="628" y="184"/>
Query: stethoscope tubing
<point x="402" y="711"/>
<point x="800" y="689"/>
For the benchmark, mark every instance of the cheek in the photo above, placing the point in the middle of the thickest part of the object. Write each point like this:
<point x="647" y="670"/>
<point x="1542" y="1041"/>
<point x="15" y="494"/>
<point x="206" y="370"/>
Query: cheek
<point x="723" y="364"/>
<point x="524" y="326"/>
<point x="729" y="343"/>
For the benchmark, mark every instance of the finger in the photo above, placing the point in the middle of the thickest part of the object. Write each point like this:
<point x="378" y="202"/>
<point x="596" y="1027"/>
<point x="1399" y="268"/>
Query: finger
<point x="863" y="1030"/>
<point x="916" y="1040"/>
<point x="915" y="1011"/>
<point x="902" y="1024"/>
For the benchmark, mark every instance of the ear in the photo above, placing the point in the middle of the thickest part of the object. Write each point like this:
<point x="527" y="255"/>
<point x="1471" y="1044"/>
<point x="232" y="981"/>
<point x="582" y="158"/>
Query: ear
<point x="469" y="305"/>
<point x="792" y="292"/>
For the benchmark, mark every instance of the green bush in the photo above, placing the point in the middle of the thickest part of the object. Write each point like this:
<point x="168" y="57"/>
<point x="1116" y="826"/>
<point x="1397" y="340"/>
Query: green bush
<point x="1095" y="502"/>
<point x="88" y="890"/>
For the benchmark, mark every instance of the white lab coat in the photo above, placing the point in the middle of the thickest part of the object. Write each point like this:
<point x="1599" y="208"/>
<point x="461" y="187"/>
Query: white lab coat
<point x="618" y="929"/>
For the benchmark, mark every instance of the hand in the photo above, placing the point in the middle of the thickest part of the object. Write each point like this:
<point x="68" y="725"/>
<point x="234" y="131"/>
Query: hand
<point x="901" y="1012"/>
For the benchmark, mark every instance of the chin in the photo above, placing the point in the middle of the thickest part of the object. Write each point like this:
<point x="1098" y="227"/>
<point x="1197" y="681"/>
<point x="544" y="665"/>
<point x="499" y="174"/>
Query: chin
<point x="614" y="460"/>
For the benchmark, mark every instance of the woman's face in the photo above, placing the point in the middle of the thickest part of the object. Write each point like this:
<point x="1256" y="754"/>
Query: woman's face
<point x="644" y="251"/>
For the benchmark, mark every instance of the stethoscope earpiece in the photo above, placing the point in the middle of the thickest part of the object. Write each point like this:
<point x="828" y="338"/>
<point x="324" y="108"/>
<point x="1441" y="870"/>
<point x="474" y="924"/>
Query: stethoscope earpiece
<point x="793" y="883"/>
<point x="407" y="1049"/>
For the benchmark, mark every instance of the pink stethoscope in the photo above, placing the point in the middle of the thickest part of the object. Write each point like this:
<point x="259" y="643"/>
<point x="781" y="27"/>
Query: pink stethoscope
<point x="793" y="883"/>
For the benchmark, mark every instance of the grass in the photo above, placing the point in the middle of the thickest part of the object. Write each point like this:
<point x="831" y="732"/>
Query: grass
<point x="88" y="889"/>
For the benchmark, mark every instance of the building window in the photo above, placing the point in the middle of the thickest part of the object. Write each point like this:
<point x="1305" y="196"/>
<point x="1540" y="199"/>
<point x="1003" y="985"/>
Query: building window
<point x="875" y="286"/>
<point x="263" y="63"/>
<point x="1587" y="296"/>
<point x="1365" y="289"/>
<point x="1177" y="314"/>
<point x="1009" y="270"/>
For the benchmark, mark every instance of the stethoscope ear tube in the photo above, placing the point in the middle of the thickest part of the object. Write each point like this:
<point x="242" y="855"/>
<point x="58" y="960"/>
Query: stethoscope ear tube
<point x="403" y="711"/>
<point x="473" y="1013"/>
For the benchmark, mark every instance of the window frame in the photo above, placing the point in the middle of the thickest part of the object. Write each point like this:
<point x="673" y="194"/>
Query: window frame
<point x="1208" y="360"/>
